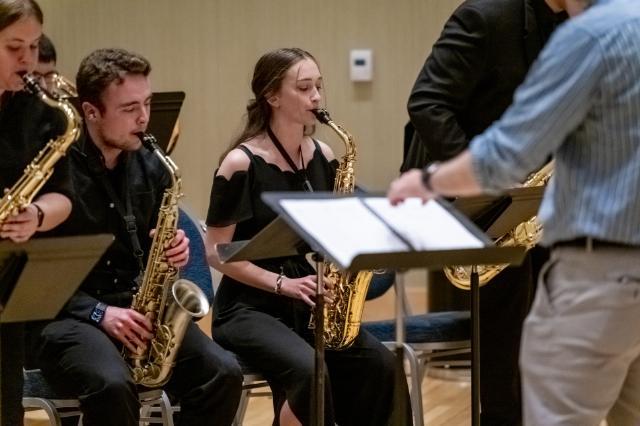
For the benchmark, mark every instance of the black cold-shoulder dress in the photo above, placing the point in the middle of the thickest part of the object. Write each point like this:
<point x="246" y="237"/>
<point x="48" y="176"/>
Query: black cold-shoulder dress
<point x="269" y="332"/>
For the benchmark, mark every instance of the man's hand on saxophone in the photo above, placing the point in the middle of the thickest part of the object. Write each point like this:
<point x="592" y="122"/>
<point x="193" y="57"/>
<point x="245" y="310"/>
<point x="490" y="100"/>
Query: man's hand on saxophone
<point x="127" y="326"/>
<point x="178" y="251"/>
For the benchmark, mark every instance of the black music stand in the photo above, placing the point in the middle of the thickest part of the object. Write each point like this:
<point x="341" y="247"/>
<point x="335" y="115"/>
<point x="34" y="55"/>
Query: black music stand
<point x="38" y="277"/>
<point x="495" y="215"/>
<point x="295" y="238"/>
<point x="165" y="108"/>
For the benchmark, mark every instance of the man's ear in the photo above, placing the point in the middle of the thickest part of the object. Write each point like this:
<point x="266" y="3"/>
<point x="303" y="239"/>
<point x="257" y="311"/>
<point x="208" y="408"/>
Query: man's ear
<point x="91" y="112"/>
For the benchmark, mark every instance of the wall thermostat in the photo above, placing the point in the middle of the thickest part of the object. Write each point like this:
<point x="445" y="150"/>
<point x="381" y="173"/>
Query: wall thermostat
<point x="361" y="65"/>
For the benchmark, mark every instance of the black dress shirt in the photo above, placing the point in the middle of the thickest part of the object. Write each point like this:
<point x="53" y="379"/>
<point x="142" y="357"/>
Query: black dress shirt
<point x="140" y="173"/>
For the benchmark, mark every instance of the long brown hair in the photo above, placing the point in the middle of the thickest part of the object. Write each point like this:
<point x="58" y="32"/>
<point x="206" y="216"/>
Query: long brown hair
<point x="268" y="74"/>
<point x="14" y="10"/>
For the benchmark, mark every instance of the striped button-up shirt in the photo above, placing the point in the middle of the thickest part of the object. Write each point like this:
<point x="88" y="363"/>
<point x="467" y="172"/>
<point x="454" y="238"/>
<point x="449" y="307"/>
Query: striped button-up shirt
<point x="580" y="103"/>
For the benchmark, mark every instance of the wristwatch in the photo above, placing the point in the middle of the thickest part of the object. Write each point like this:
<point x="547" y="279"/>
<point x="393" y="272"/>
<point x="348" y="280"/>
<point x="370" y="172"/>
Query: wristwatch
<point x="98" y="313"/>
<point x="427" y="172"/>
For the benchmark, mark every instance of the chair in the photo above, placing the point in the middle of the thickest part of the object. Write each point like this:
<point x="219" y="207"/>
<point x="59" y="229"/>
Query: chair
<point x="198" y="271"/>
<point x="38" y="395"/>
<point x="433" y="342"/>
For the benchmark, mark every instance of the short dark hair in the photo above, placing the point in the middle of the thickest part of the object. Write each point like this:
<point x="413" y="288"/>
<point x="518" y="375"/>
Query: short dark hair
<point x="13" y="10"/>
<point x="104" y="66"/>
<point x="46" y="50"/>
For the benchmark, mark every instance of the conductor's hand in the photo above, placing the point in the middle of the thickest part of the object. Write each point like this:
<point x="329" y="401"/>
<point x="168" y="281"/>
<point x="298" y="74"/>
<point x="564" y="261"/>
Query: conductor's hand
<point x="177" y="251"/>
<point x="302" y="288"/>
<point x="21" y="227"/>
<point x="127" y="326"/>
<point x="408" y="185"/>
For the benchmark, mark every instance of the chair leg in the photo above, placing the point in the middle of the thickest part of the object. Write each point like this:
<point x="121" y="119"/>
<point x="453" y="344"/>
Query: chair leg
<point x="416" y="373"/>
<point x="242" y="408"/>
<point x="46" y="406"/>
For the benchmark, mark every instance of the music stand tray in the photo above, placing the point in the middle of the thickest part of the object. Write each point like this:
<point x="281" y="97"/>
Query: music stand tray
<point x="39" y="276"/>
<point x="52" y="270"/>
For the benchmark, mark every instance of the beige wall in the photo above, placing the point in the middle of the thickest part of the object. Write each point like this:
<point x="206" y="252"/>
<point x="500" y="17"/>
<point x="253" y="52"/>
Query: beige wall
<point x="207" y="48"/>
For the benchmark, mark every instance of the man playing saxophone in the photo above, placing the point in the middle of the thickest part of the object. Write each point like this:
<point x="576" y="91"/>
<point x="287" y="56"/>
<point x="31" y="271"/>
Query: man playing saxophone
<point x="118" y="189"/>
<point x="26" y="125"/>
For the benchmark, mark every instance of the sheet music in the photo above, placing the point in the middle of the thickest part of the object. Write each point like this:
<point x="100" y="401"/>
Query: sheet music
<point x="347" y="228"/>
<point x="344" y="225"/>
<point x="428" y="226"/>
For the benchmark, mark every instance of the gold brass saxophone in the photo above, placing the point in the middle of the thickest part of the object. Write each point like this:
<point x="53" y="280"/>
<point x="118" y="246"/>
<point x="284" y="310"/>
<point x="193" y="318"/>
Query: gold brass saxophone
<point x="526" y="234"/>
<point x="342" y="317"/>
<point x="169" y="303"/>
<point x="36" y="174"/>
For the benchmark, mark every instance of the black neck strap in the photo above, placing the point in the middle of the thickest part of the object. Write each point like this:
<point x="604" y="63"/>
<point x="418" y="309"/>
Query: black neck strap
<point x="126" y="212"/>
<point x="305" y="184"/>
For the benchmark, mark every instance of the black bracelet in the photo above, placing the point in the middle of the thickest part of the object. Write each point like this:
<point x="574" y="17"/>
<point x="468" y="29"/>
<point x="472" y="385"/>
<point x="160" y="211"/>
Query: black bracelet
<point x="427" y="173"/>
<point x="40" y="214"/>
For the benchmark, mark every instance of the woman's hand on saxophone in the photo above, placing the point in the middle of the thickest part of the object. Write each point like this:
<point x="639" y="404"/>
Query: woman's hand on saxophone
<point x="303" y="288"/>
<point x="128" y="326"/>
<point x="21" y="227"/>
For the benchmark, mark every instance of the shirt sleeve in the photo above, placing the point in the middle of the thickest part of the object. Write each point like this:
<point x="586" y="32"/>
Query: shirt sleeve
<point x="230" y="200"/>
<point x="80" y="306"/>
<point x="52" y="128"/>
<point x="446" y="82"/>
<point x="552" y="102"/>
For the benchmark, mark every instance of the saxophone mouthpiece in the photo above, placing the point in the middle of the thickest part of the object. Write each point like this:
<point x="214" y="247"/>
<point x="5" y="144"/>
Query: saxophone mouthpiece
<point x="322" y="115"/>
<point x="148" y="141"/>
<point x="30" y="83"/>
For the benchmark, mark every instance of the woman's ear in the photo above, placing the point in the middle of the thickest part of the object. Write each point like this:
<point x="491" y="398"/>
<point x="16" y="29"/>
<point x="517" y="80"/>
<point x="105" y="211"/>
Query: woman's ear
<point x="274" y="101"/>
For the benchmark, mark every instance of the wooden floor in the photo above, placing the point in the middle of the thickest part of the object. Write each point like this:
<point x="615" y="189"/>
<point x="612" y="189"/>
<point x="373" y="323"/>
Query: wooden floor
<point x="445" y="403"/>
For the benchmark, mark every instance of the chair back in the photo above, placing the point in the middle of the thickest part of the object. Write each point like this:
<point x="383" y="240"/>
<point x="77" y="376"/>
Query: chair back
<point x="197" y="269"/>
<point x="381" y="281"/>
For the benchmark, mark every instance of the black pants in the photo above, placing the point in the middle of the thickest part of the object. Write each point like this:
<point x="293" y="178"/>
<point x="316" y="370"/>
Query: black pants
<point x="359" y="380"/>
<point x="78" y="358"/>
<point x="504" y="303"/>
<point x="12" y="342"/>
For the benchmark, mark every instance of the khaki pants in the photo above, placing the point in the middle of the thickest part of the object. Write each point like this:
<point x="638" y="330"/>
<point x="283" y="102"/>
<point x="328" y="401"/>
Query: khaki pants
<point x="580" y="356"/>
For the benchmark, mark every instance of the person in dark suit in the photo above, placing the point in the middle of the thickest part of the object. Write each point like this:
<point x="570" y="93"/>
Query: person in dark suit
<point x="466" y="83"/>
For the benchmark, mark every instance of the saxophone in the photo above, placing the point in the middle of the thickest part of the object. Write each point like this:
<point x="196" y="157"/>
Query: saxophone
<point x="342" y="316"/>
<point x="525" y="234"/>
<point x="36" y="174"/>
<point x="63" y="87"/>
<point x="169" y="303"/>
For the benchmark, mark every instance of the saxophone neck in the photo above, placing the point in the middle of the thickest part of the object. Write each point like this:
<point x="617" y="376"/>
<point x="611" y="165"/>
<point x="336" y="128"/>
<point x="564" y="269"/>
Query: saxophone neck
<point x="149" y="142"/>
<point x="350" y="147"/>
<point x="60" y="103"/>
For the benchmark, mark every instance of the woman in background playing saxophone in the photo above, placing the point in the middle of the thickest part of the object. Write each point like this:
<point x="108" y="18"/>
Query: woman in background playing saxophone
<point x="262" y="308"/>
<point x="26" y="125"/>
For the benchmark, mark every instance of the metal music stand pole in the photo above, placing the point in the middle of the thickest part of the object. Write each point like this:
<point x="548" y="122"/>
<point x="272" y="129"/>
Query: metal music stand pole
<point x="475" y="346"/>
<point x="400" y="376"/>
<point x="319" y="343"/>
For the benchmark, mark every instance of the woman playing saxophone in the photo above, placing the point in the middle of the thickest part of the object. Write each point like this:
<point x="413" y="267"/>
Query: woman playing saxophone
<point x="26" y="125"/>
<point x="262" y="308"/>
